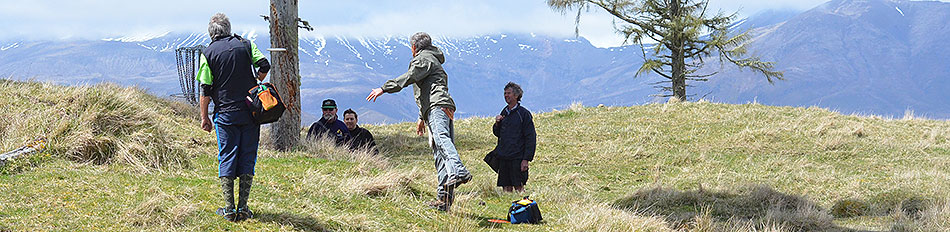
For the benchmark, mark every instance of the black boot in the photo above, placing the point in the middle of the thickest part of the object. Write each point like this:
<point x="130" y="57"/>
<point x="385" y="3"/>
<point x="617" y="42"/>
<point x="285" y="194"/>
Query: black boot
<point x="445" y="197"/>
<point x="244" y="190"/>
<point x="227" y="191"/>
<point x="450" y="198"/>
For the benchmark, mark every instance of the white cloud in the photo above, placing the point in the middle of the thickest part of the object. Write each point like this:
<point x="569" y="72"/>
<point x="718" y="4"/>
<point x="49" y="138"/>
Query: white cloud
<point x="466" y="19"/>
<point x="99" y="19"/>
<point x="92" y="19"/>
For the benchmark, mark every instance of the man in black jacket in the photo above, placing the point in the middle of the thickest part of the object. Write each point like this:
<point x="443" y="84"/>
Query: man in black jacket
<point x="517" y="140"/>
<point x="329" y="125"/>
<point x="359" y="137"/>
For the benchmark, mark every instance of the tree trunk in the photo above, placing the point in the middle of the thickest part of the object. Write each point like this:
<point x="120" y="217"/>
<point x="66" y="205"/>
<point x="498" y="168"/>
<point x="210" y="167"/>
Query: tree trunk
<point x="679" y="77"/>
<point x="285" y="75"/>
<point x="677" y="49"/>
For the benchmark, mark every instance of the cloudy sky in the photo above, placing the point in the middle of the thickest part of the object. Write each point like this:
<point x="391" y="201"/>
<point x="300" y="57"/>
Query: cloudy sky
<point x="92" y="19"/>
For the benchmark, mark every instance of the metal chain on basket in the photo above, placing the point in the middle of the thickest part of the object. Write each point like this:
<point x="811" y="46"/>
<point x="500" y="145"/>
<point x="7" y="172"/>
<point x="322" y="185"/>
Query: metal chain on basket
<point x="187" y="60"/>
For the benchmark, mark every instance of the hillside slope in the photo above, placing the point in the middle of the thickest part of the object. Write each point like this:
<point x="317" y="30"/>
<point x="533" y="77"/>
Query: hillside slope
<point x="660" y="167"/>
<point x="104" y="123"/>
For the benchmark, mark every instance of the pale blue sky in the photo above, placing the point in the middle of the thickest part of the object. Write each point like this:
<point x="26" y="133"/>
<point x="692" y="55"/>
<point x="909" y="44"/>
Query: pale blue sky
<point x="91" y="19"/>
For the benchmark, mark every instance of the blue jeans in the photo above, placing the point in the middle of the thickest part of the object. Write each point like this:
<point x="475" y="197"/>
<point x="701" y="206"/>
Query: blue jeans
<point x="442" y="140"/>
<point x="238" y="139"/>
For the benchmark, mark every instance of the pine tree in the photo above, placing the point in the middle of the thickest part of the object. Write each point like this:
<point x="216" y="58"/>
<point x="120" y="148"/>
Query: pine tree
<point x="685" y="35"/>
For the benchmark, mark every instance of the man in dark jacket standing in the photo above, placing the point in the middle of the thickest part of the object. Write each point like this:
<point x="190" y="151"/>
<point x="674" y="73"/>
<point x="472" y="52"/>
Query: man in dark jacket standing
<point x="224" y="71"/>
<point x="359" y="137"/>
<point x="436" y="110"/>
<point x="517" y="140"/>
<point x="329" y="124"/>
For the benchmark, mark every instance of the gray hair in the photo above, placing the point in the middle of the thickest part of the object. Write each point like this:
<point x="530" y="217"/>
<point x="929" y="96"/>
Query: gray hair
<point x="219" y="26"/>
<point x="516" y="89"/>
<point x="420" y="40"/>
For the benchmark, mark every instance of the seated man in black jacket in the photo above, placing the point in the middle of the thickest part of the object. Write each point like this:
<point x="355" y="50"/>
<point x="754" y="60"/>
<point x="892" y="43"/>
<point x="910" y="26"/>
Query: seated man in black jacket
<point x="359" y="137"/>
<point x="329" y="125"/>
<point x="517" y="139"/>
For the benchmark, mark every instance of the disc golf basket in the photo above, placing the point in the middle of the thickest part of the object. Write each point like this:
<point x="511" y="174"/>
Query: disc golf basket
<point x="187" y="58"/>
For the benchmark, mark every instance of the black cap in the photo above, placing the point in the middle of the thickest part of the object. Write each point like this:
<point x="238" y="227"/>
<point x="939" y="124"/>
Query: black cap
<point x="329" y="104"/>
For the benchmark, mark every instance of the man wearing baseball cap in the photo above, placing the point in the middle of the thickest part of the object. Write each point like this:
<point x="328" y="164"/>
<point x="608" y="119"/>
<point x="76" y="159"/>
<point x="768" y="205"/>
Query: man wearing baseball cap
<point x="329" y="125"/>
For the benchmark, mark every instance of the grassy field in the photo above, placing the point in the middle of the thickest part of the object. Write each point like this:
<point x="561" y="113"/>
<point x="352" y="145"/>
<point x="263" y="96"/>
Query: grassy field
<point x="121" y="160"/>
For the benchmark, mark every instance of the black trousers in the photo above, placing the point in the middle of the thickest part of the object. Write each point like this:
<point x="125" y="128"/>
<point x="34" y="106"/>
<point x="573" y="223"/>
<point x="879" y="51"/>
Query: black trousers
<point x="510" y="174"/>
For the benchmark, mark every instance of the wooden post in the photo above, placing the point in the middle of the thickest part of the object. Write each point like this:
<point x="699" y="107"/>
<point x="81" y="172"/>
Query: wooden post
<point x="286" y="72"/>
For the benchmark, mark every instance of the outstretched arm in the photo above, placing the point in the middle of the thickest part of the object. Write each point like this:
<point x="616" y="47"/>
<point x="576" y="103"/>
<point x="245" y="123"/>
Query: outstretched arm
<point x="374" y="94"/>
<point x="418" y="70"/>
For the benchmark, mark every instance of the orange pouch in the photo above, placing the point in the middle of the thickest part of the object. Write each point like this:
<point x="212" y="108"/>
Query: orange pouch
<point x="267" y="100"/>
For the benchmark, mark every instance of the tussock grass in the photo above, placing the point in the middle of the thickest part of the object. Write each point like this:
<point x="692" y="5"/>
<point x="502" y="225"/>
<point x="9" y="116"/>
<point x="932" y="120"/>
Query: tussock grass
<point x="808" y="151"/>
<point x="390" y="182"/>
<point x="99" y="124"/>
<point x="602" y="217"/>
<point x="704" y="209"/>
<point x="163" y="209"/>
<point x="326" y="148"/>
<point x="705" y="222"/>
<point x="932" y="219"/>
<point x="850" y="208"/>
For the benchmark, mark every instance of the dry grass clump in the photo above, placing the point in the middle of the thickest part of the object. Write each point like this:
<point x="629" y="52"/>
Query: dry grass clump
<point x="153" y="148"/>
<point x="99" y="124"/>
<point x="576" y="107"/>
<point x="760" y="206"/>
<point x="162" y="209"/>
<point x="935" y="218"/>
<point x="909" y="115"/>
<point x="913" y="207"/>
<point x="850" y="208"/>
<point x="896" y="204"/>
<point x="707" y="223"/>
<point x="326" y="148"/>
<point x="383" y="184"/>
<point x="602" y="217"/>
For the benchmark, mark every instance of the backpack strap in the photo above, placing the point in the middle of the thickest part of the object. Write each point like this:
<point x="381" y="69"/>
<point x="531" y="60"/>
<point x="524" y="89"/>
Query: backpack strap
<point x="250" y="55"/>
<point x="247" y="43"/>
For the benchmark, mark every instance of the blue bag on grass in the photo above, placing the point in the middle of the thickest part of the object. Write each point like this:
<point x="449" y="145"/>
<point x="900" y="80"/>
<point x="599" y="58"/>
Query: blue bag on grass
<point x="524" y="211"/>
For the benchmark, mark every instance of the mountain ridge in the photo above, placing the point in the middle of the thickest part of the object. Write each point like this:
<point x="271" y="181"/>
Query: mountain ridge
<point x="864" y="57"/>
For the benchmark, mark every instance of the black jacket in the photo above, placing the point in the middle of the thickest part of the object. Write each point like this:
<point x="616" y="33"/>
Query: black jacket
<point x="516" y="136"/>
<point x="334" y="129"/>
<point x="230" y="62"/>
<point x="361" y="137"/>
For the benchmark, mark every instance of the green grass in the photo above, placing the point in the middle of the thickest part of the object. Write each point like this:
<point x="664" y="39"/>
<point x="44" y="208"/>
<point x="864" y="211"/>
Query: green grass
<point x="121" y="160"/>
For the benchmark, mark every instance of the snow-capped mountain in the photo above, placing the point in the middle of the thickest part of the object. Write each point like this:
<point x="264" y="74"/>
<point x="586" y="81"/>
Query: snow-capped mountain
<point x="856" y="56"/>
<point x="877" y="57"/>
<point x="555" y="72"/>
